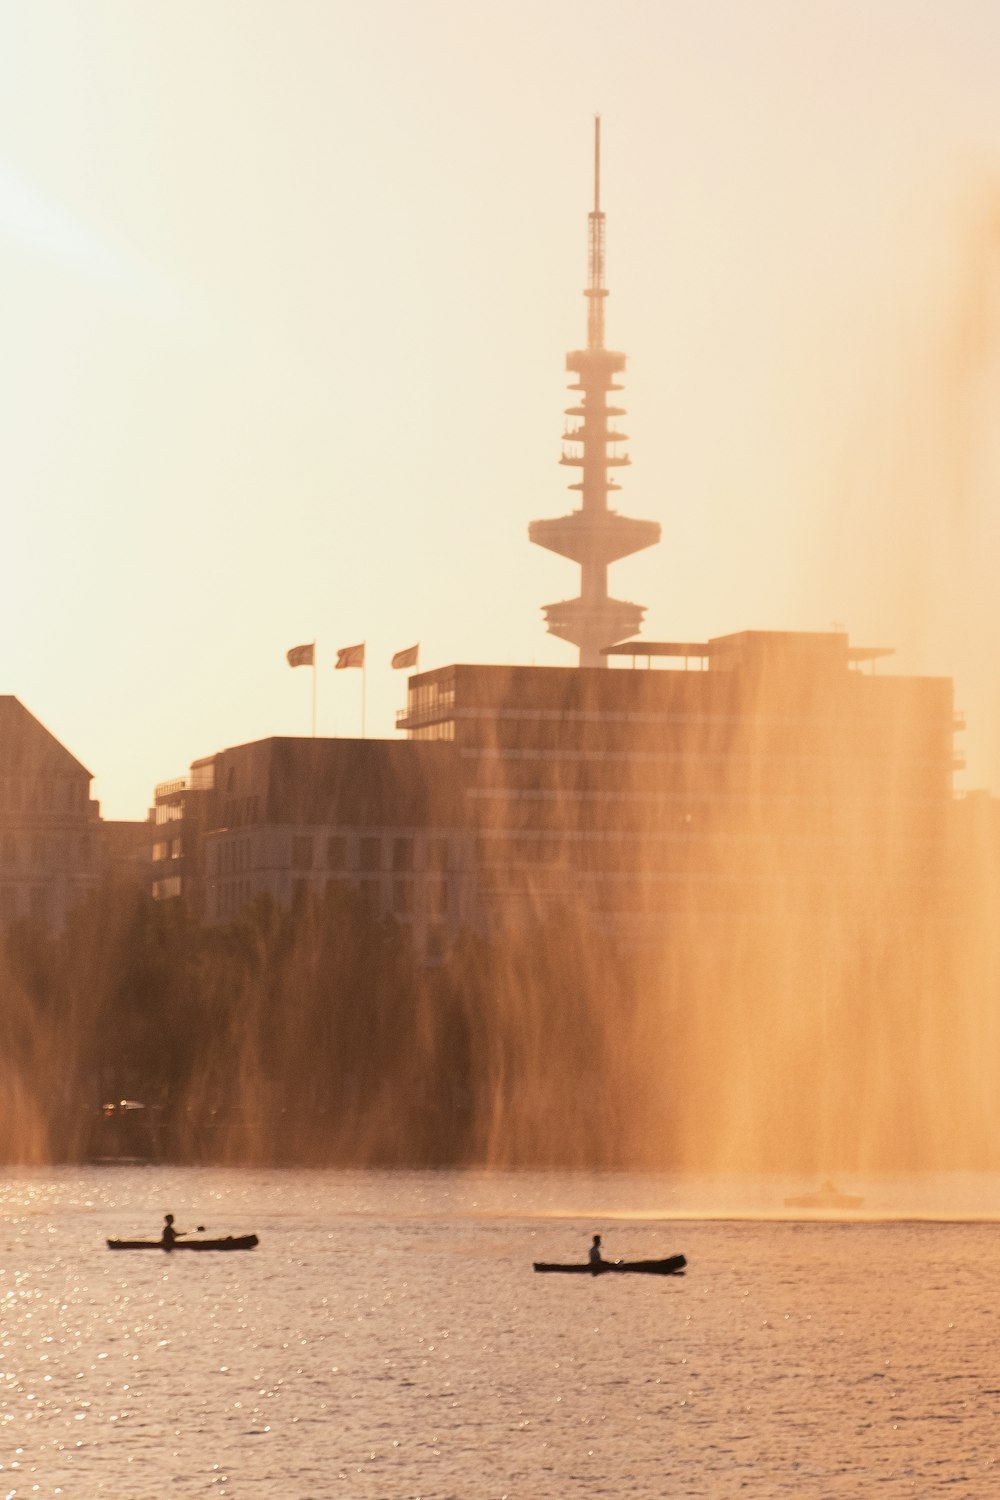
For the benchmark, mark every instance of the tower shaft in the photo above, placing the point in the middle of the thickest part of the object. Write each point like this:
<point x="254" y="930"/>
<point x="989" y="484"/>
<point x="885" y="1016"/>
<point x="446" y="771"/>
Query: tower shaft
<point x="595" y="535"/>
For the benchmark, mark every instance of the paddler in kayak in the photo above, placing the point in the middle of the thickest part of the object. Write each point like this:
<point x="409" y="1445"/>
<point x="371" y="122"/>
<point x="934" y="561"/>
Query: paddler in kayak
<point x="169" y="1235"/>
<point x="596" y="1260"/>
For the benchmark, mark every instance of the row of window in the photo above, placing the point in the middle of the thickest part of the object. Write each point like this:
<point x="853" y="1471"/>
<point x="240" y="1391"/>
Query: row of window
<point x="443" y="731"/>
<point x="43" y="794"/>
<point x="11" y="904"/>
<point x="399" y="896"/>
<point x="169" y="812"/>
<point x="368" y="852"/>
<point x="431" y="695"/>
<point x="684" y="897"/>
<point x="306" y="851"/>
<point x="232" y="897"/>
<point x="694" y="846"/>
<point x="41" y="853"/>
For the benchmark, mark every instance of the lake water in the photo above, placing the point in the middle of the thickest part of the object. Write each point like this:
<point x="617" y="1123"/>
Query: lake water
<point x="389" y="1339"/>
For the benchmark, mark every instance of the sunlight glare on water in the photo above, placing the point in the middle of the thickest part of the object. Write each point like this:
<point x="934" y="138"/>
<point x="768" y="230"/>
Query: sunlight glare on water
<point x="389" y="1338"/>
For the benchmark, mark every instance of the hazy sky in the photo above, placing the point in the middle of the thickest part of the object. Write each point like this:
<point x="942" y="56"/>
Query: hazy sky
<point x="287" y="292"/>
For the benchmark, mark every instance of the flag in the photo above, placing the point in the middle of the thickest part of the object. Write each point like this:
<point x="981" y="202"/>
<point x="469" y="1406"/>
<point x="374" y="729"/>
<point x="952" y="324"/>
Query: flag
<point x="407" y="658"/>
<point x="302" y="656"/>
<point x="350" y="656"/>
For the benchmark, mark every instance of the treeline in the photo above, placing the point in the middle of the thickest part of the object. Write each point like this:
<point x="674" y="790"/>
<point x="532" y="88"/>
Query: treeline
<point x="311" y="1036"/>
<point x="851" y="1038"/>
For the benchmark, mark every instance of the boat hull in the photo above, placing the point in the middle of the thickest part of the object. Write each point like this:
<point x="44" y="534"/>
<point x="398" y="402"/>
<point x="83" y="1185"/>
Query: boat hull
<point x="671" y="1265"/>
<point x="231" y="1242"/>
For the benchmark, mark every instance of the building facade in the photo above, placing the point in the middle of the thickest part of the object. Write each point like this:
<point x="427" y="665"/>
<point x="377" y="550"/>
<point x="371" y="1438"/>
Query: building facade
<point x="54" y="846"/>
<point x="763" y="768"/>
<point x="764" y="762"/>
<point x="293" y="819"/>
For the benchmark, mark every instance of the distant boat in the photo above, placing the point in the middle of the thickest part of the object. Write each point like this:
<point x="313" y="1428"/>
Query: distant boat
<point x="826" y="1196"/>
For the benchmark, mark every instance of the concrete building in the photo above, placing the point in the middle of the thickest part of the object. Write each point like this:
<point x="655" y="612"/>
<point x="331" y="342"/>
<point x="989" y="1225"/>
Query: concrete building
<point x="765" y="761"/>
<point x="761" y="764"/>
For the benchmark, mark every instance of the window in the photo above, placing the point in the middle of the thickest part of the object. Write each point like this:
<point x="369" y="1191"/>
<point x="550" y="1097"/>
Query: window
<point x="161" y="850"/>
<point x="435" y="945"/>
<point x="402" y="854"/>
<point x="302" y="851"/>
<point x="369" y="892"/>
<point x="437" y="854"/>
<point x="437" y="898"/>
<point x="402" y="896"/>
<point x="371" y="854"/>
<point x="336" y="853"/>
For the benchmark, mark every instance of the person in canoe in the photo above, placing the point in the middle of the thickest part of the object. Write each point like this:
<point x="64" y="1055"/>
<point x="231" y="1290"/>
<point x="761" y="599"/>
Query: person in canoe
<point x="169" y="1236"/>
<point x="596" y="1259"/>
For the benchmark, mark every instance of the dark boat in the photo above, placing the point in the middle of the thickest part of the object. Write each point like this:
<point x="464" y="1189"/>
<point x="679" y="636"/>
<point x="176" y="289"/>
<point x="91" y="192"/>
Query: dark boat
<point x="671" y="1265"/>
<point x="231" y="1242"/>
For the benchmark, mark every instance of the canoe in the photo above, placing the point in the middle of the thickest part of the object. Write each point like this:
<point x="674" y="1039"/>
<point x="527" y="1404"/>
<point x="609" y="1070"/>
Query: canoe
<point x="231" y="1242"/>
<point x="671" y="1265"/>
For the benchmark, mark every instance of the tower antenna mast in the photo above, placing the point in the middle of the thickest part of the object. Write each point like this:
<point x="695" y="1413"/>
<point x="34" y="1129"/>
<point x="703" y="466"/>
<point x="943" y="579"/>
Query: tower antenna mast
<point x="595" y="535"/>
<point x="596" y="291"/>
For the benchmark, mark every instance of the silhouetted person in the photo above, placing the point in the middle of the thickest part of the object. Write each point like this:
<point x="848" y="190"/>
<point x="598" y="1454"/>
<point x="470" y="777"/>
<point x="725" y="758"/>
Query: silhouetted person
<point x="596" y="1261"/>
<point x="169" y="1237"/>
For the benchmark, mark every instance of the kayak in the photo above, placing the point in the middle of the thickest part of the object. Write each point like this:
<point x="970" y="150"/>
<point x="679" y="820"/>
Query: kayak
<point x="231" y="1242"/>
<point x="671" y="1265"/>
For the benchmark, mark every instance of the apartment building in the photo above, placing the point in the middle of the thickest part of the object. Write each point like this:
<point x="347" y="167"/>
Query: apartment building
<point x="54" y="846"/>
<point x="293" y="818"/>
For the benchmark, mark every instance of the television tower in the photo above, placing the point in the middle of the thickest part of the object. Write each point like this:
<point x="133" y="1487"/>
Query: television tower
<point x="594" y="535"/>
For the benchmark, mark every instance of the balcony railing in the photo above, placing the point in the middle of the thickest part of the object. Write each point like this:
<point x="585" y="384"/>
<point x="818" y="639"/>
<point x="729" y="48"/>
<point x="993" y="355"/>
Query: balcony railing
<point x="420" y="718"/>
<point x="171" y="788"/>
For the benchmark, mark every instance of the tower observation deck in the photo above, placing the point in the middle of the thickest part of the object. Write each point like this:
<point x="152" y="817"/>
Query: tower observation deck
<point x="595" y="535"/>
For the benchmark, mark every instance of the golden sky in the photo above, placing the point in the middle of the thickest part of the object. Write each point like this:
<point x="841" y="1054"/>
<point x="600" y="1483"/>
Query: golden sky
<point x="288" y="288"/>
